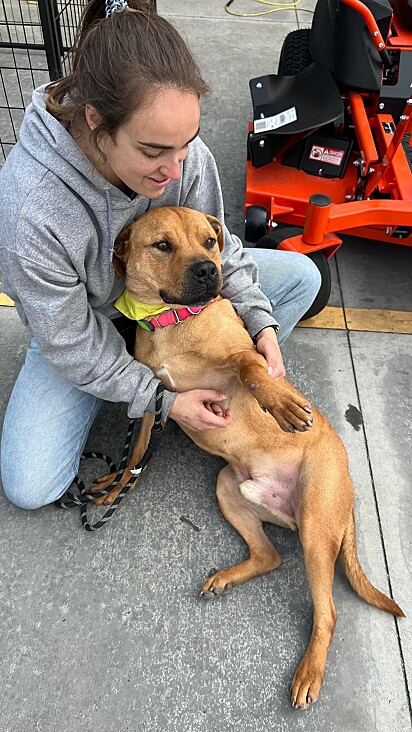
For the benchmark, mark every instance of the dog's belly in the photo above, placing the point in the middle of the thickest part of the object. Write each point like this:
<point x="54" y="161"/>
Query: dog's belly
<point x="277" y="493"/>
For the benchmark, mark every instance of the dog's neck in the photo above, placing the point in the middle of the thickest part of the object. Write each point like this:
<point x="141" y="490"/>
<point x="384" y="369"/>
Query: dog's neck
<point x="150" y="317"/>
<point x="170" y="317"/>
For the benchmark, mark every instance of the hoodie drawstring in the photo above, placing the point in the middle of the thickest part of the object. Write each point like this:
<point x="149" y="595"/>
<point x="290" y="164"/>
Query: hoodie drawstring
<point x="109" y="215"/>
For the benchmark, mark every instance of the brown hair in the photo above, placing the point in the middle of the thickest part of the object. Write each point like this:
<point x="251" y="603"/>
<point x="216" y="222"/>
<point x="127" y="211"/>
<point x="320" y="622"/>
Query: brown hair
<point x="118" y="61"/>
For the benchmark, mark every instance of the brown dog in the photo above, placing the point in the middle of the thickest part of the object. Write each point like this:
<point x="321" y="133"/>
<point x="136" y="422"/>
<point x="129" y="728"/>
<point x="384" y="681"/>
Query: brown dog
<point x="281" y="469"/>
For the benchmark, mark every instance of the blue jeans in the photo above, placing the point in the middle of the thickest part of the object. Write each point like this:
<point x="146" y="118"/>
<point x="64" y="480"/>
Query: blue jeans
<point x="48" y="419"/>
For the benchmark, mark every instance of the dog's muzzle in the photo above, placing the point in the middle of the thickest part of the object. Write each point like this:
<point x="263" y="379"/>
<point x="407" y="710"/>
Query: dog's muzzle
<point x="202" y="283"/>
<point x="205" y="273"/>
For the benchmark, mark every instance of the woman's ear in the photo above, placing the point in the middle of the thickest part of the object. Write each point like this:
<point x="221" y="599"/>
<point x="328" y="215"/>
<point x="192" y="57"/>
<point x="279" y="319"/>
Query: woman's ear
<point x="218" y="229"/>
<point x="92" y="116"/>
<point x="121" y="251"/>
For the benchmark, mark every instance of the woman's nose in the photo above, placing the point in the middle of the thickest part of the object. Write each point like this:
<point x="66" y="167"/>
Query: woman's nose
<point x="171" y="167"/>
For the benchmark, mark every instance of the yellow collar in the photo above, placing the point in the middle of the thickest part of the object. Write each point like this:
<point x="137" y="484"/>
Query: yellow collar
<point x="136" y="310"/>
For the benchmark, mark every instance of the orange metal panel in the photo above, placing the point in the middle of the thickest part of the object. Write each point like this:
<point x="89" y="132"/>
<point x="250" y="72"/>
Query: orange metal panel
<point x="370" y="213"/>
<point x="330" y="245"/>
<point x="397" y="178"/>
<point x="375" y="234"/>
<point x="363" y="130"/>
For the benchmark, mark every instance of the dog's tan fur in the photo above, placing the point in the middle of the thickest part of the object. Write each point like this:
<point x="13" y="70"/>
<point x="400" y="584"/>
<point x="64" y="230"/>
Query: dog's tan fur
<point x="298" y="479"/>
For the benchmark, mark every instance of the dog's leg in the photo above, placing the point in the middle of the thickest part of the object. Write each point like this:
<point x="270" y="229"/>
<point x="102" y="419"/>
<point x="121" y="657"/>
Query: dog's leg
<point x="244" y="518"/>
<point x="321" y="549"/>
<point x="286" y="404"/>
<point x="139" y="450"/>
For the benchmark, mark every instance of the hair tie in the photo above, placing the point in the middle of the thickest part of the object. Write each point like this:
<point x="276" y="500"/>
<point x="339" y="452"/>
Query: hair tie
<point x="115" y="6"/>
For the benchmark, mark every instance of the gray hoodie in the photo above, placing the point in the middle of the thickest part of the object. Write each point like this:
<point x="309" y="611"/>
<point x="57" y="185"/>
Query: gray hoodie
<point x="59" y="220"/>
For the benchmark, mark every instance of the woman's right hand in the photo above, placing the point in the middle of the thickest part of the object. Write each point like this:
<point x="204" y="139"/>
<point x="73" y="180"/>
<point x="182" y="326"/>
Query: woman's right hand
<point x="199" y="409"/>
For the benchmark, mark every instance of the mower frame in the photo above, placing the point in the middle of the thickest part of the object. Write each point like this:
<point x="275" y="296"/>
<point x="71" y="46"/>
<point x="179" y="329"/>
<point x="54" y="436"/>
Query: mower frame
<point x="324" y="206"/>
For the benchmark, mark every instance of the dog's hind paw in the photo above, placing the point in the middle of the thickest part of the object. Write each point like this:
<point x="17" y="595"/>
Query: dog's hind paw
<point x="305" y="686"/>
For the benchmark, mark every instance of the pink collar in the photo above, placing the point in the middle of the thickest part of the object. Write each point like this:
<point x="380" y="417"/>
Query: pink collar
<point x="170" y="317"/>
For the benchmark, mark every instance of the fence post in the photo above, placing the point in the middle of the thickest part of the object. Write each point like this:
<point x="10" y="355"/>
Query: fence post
<point x="50" y="23"/>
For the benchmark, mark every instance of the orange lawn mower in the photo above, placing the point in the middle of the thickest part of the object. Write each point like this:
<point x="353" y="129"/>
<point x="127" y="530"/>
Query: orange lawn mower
<point x="329" y="147"/>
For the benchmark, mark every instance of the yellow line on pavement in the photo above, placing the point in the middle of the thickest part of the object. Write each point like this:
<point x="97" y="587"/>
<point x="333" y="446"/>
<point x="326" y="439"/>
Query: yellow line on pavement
<point x="328" y="318"/>
<point x="6" y="300"/>
<point x="373" y="321"/>
<point x="333" y="318"/>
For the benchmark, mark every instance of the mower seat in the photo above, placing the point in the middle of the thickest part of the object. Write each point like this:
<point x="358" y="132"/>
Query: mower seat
<point x="403" y="10"/>
<point x="340" y="41"/>
<point x="286" y="108"/>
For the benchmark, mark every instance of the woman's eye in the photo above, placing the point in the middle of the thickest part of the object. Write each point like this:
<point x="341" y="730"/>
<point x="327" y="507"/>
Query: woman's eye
<point x="162" y="246"/>
<point x="210" y="243"/>
<point x="152" y="157"/>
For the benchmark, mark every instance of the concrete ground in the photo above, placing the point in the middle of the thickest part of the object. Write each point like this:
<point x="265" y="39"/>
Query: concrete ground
<point x="107" y="630"/>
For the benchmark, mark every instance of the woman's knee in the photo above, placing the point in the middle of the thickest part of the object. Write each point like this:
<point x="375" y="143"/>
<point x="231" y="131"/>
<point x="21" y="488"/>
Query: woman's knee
<point x="285" y="275"/>
<point x="306" y="276"/>
<point x="27" y="490"/>
<point x="45" y="427"/>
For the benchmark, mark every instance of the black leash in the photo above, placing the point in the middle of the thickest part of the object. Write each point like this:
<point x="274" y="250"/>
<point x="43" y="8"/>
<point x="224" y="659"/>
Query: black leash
<point x="83" y="498"/>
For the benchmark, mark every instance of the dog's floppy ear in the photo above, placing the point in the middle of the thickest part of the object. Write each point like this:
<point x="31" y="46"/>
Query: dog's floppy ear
<point x="218" y="228"/>
<point x="121" y="251"/>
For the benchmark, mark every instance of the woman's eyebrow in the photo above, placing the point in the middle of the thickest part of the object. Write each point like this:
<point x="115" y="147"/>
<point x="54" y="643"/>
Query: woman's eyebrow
<point x="157" y="146"/>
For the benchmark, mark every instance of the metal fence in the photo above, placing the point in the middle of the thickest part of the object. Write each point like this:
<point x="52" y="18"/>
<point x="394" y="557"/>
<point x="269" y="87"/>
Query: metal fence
<point x="36" y="37"/>
<point x="35" y="43"/>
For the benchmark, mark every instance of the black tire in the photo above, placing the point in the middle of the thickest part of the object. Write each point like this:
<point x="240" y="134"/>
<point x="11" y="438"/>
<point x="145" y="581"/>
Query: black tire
<point x="322" y="298"/>
<point x="255" y="223"/>
<point x="272" y="241"/>
<point x="295" y="54"/>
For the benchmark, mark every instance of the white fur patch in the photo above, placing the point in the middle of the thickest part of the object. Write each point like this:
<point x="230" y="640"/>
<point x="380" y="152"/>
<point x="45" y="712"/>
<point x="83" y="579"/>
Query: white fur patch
<point x="252" y="492"/>
<point x="164" y="373"/>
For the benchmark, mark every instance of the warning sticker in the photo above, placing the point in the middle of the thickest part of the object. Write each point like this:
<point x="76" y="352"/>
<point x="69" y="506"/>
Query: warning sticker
<point x="278" y="120"/>
<point x="326" y="155"/>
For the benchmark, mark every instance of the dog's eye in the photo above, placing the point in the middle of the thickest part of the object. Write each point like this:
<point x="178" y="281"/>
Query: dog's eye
<point x="163" y="246"/>
<point x="210" y="243"/>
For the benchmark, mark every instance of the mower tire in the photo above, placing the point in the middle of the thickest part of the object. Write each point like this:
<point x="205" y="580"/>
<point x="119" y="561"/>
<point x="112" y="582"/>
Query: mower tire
<point x="255" y="223"/>
<point x="272" y="241"/>
<point x="295" y="54"/>
<point x="322" y="298"/>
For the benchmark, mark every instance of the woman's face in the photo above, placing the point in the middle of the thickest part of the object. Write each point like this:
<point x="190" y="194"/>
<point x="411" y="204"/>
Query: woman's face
<point x="146" y="152"/>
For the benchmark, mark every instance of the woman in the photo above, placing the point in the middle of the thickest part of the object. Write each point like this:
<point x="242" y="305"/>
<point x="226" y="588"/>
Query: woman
<point x="97" y="149"/>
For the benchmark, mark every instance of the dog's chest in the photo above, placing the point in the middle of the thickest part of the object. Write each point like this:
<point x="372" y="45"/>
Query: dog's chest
<point x="190" y="371"/>
<point x="163" y="373"/>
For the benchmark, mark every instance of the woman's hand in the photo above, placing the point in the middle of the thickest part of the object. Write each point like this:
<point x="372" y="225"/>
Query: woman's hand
<point x="199" y="410"/>
<point x="267" y="344"/>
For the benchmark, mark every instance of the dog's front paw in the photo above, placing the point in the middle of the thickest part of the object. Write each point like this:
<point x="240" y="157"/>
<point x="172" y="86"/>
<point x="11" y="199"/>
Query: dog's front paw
<point x="216" y="585"/>
<point x="306" y="685"/>
<point x="292" y="411"/>
<point x="103" y="483"/>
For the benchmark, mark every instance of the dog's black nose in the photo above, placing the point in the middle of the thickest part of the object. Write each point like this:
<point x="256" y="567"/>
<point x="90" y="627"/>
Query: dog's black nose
<point x="205" y="271"/>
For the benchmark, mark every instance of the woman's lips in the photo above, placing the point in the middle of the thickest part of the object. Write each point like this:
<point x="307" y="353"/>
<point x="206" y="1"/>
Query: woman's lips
<point x="159" y="183"/>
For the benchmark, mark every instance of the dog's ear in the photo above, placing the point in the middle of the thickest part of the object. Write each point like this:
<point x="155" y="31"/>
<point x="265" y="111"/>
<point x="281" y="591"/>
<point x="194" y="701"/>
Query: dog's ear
<point x="121" y="251"/>
<point x="218" y="228"/>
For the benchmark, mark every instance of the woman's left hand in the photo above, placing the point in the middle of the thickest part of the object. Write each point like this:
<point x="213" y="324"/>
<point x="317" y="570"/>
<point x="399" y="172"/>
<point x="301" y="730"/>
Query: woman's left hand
<point x="267" y="344"/>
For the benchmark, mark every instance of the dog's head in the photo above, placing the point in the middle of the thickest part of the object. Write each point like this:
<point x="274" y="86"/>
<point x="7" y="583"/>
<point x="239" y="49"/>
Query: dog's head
<point x="171" y="255"/>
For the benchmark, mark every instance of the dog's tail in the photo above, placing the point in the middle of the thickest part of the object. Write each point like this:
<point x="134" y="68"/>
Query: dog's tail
<point x="349" y="559"/>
